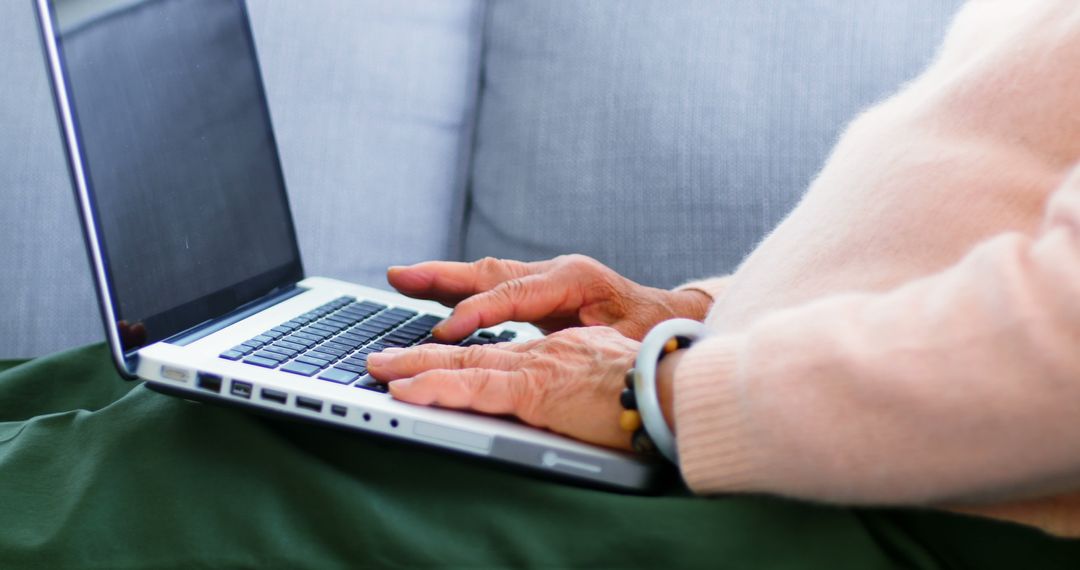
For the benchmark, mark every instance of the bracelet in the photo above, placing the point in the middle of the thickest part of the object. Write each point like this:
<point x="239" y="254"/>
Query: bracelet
<point x="642" y="414"/>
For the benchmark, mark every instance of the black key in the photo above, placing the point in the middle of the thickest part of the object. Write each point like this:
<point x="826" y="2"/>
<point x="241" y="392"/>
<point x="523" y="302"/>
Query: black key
<point x="474" y="342"/>
<point x="304" y="342"/>
<point x="283" y="329"/>
<point x="306" y="335"/>
<point x="375" y="329"/>
<point x="353" y="337"/>
<point x="324" y="328"/>
<point x="413" y="327"/>
<point x="505" y="336"/>
<point x="263" y="339"/>
<point x="486" y="334"/>
<point x="232" y="355"/>
<point x="337" y="345"/>
<point x="253" y="345"/>
<point x="318" y="334"/>
<point x="338" y="321"/>
<point x="338" y="353"/>
<point x="339" y="376"/>
<point x="309" y="359"/>
<point x="323" y="355"/>
<point x="369" y="383"/>
<point x="286" y="352"/>
<point x="259" y="361"/>
<point x="372" y="305"/>
<point x="291" y="345"/>
<point x="359" y="359"/>
<point x="409" y="313"/>
<point x="301" y="368"/>
<point x="297" y="322"/>
<point x="272" y="334"/>
<point x="352" y="367"/>
<point x="243" y="348"/>
<point x="279" y="358"/>
<point x="350" y="343"/>
<point x="428" y="319"/>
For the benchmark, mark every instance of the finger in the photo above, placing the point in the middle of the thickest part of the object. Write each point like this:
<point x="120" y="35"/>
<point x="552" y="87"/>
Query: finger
<point x="452" y="281"/>
<point x="528" y="299"/>
<point x="480" y="389"/>
<point x="387" y="366"/>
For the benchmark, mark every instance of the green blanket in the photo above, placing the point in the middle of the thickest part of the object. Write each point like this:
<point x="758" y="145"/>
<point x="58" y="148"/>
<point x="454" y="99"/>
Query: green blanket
<point x="99" y="472"/>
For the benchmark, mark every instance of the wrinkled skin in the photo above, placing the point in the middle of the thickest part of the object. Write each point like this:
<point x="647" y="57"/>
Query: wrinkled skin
<point x="568" y="381"/>
<point x="568" y="291"/>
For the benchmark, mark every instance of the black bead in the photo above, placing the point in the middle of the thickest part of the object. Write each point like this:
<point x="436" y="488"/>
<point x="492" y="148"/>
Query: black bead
<point x="628" y="399"/>
<point x="630" y="379"/>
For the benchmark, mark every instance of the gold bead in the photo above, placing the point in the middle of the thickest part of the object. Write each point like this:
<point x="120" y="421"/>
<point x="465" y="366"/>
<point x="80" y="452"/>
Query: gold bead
<point x="629" y="420"/>
<point x="671" y="345"/>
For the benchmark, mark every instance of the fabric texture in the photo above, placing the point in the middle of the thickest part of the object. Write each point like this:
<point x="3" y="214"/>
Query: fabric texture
<point x="908" y="335"/>
<point x="99" y="472"/>
<point x="665" y="139"/>
<point x="372" y="105"/>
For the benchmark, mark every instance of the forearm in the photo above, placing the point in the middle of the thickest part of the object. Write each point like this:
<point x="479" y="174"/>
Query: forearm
<point x="961" y="386"/>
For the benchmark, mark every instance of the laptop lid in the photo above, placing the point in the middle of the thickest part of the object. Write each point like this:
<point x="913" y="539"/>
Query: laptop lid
<point x="173" y="159"/>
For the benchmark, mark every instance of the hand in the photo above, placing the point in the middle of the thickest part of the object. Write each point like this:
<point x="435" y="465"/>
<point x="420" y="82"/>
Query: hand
<point x="568" y="291"/>
<point x="568" y="382"/>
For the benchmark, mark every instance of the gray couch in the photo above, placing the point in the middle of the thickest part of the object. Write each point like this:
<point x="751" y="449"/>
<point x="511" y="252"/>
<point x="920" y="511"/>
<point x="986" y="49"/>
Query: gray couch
<point x="664" y="138"/>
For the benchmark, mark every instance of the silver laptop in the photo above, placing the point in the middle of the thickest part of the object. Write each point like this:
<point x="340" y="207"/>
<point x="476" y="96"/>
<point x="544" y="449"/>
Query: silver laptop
<point x="195" y="256"/>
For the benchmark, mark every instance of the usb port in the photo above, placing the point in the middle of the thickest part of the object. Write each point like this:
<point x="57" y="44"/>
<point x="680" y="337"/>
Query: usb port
<point x="308" y="404"/>
<point x="209" y="382"/>
<point x="274" y="395"/>
<point x="338" y="410"/>
<point x="240" y="389"/>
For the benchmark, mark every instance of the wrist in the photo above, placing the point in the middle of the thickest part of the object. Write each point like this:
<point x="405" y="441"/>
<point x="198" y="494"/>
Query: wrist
<point x="665" y="386"/>
<point x="691" y="304"/>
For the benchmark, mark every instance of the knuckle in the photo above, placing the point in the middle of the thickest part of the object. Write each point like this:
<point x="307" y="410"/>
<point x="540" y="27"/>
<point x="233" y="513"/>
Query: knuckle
<point x="488" y="264"/>
<point x="579" y="263"/>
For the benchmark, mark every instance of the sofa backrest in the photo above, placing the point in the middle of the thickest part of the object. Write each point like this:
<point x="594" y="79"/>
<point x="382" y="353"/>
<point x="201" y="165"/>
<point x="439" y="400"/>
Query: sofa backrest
<point x="666" y="138"/>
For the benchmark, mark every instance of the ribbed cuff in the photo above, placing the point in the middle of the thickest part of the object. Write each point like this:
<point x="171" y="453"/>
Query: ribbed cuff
<point x="714" y="287"/>
<point x="711" y="427"/>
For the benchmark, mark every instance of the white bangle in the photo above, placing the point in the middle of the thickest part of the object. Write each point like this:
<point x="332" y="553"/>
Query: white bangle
<point x="648" y="403"/>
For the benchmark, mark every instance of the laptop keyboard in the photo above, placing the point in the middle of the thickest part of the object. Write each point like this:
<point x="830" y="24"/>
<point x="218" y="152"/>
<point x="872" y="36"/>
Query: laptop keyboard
<point x="332" y="342"/>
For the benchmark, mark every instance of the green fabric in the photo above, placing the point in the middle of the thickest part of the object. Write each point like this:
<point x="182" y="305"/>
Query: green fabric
<point x="99" y="472"/>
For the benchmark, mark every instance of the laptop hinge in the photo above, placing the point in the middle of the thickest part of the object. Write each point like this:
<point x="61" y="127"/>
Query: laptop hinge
<point x="212" y="326"/>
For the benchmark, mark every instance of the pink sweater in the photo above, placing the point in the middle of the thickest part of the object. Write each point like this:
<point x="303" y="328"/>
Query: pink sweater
<point x="910" y="334"/>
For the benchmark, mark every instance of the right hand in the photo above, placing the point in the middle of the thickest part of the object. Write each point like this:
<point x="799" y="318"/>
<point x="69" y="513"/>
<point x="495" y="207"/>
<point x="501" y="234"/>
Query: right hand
<point x="568" y="291"/>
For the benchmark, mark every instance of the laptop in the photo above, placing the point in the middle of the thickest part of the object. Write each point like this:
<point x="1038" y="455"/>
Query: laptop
<point x="194" y="253"/>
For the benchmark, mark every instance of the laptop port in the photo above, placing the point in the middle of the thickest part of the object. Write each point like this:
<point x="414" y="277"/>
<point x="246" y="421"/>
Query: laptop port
<point x="240" y="389"/>
<point x="274" y="395"/>
<point x="209" y="382"/>
<point x="338" y="410"/>
<point x="308" y="404"/>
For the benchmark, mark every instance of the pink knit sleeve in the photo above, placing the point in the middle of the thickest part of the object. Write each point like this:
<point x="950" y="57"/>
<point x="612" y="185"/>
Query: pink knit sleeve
<point x="962" y="386"/>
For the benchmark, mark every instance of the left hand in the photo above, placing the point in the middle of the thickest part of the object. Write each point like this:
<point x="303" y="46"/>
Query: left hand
<point x="568" y="381"/>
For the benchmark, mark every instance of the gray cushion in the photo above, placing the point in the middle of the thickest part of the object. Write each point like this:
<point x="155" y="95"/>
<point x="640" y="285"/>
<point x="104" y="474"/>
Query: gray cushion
<point x="665" y="138"/>
<point x="372" y="103"/>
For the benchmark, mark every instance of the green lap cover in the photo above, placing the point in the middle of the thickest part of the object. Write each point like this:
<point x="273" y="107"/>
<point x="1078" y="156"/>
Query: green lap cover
<point x="98" y="472"/>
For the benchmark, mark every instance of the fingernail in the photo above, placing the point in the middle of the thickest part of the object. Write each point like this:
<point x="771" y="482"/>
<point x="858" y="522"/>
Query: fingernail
<point x="439" y="328"/>
<point x="402" y="384"/>
<point x="391" y="350"/>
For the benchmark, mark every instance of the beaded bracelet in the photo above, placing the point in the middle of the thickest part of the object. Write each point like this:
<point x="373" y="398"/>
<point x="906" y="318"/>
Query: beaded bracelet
<point x="641" y="413"/>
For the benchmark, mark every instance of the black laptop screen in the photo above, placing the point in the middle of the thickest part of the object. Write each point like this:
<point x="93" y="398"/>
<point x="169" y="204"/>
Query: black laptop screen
<point x="180" y="160"/>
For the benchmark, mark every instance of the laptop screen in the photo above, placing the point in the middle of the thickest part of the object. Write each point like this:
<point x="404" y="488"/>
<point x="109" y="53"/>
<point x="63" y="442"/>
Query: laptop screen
<point x="180" y="162"/>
